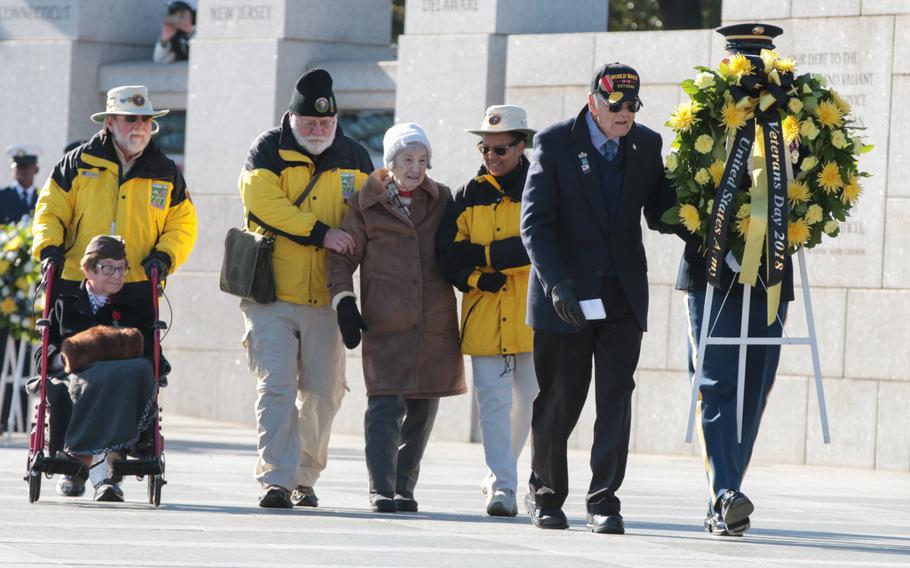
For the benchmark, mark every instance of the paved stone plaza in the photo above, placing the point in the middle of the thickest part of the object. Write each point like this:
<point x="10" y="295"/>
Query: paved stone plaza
<point x="806" y="516"/>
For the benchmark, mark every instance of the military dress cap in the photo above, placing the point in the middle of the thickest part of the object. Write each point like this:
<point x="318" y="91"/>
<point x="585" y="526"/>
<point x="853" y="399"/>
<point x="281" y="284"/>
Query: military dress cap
<point x="616" y="83"/>
<point x="23" y="154"/>
<point x="106" y="246"/>
<point x="131" y="100"/>
<point x="313" y="95"/>
<point x="749" y="38"/>
<point x="505" y="118"/>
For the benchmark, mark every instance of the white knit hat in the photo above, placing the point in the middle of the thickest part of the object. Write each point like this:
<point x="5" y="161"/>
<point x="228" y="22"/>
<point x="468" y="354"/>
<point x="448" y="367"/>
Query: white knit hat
<point x="399" y="136"/>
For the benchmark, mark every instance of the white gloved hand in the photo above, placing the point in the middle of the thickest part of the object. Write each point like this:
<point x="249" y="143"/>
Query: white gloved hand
<point x="731" y="262"/>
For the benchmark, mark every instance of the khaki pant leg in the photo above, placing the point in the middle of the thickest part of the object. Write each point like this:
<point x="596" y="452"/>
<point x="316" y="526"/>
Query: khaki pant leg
<point x="272" y="351"/>
<point x="322" y="387"/>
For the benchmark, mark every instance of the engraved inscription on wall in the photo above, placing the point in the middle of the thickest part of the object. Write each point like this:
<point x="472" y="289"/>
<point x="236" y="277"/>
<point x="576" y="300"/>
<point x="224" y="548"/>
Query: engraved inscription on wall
<point x="240" y="13"/>
<point x="449" y="5"/>
<point x="46" y="12"/>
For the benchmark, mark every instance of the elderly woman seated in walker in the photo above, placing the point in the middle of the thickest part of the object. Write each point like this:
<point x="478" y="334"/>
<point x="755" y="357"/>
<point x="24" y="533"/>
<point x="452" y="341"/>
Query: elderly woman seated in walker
<point x="100" y="350"/>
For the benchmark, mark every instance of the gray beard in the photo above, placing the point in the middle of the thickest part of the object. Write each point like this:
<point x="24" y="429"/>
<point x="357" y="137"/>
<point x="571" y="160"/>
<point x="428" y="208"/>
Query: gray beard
<point x="127" y="146"/>
<point x="314" y="147"/>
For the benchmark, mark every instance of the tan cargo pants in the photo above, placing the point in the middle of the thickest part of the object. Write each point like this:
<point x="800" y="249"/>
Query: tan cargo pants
<point x="295" y="353"/>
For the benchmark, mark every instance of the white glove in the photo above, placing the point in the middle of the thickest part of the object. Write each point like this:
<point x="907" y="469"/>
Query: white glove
<point x="731" y="262"/>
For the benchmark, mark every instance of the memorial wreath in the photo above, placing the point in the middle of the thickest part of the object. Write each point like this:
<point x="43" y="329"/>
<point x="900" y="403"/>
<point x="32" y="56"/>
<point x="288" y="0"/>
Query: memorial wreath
<point x="803" y="145"/>
<point x="19" y="276"/>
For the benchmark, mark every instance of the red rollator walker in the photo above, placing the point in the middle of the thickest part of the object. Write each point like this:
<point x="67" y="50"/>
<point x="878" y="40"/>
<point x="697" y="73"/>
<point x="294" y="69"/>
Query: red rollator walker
<point x="40" y="464"/>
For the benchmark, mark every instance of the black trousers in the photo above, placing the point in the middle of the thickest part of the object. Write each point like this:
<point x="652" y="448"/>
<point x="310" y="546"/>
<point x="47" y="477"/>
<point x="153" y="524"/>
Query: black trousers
<point x="563" y="365"/>
<point x="397" y="430"/>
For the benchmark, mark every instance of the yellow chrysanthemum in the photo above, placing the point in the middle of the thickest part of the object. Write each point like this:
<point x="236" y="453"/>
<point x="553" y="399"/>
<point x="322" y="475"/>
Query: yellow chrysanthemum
<point x="733" y="117"/>
<point x="839" y="139"/>
<point x="683" y="118"/>
<point x="798" y="233"/>
<point x="790" y="126"/>
<point x="14" y="243"/>
<point x="702" y="176"/>
<point x="829" y="178"/>
<point x="672" y="162"/>
<point x="831" y="228"/>
<point x="851" y="191"/>
<point x="743" y="217"/>
<point x="797" y="192"/>
<point x="704" y="144"/>
<point x="808" y="129"/>
<point x="717" y="172"/>
<point x="21" y="283"/>
<point x="690" y="218"/>
<point x="829" y="115"/>
<point x="737" y="67"/>
<point x="795" y="106"/>
<point x="4" y="266"/>
<point x="7" y="306"/>
<point x="786" y="65"/>
<point x="814" y="214"/>
<point x="809" y="162"/>
<point x="841" y="103"/>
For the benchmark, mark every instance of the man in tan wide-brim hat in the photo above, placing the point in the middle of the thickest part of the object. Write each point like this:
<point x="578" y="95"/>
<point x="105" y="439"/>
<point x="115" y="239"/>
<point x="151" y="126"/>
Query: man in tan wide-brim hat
<point x="482" y="255"/>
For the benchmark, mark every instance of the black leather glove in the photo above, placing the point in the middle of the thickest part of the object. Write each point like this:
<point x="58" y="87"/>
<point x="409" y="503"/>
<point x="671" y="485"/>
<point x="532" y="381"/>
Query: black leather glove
<point x="349" y="322"/>
<point x="159" y="260"/>
<point x="566" y="304"/>
<point x="467" y="254"/>
<point x="52" y="255"/>
<point x="491" y="281"/>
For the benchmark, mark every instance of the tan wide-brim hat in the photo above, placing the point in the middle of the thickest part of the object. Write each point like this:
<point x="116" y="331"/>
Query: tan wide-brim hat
<point x="132" y="100"/>
<point x="506" y="118"/>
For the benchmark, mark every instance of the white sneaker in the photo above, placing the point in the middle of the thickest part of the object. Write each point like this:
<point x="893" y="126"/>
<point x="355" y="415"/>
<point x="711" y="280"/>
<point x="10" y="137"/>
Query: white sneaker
<point x="501" y="503"/>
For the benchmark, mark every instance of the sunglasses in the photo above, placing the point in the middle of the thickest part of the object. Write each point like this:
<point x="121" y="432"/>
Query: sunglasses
<point x="131" y="118"/>
<point x="498" y="150"/>
<point x="633" y="106"/>
<point x="110" y="269"/>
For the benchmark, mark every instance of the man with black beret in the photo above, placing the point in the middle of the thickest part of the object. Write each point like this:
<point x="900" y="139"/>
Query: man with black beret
<point x="295" y="186"/>
<point x="18" y="199"/>
<point x="589" y="181"/>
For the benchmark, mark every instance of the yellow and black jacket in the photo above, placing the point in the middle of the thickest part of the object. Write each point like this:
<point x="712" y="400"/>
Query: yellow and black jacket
<point x="86" y="195"/>
<point x="486" y="211"/>
<point x="276" y="173"/>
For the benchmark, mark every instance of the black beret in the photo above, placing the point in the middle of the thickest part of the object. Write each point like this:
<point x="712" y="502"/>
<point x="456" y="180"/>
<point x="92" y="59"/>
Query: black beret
<point x="313" y="96"/>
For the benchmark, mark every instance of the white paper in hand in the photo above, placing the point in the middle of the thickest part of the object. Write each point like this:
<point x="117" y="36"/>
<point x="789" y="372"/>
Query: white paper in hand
<point x="593" y="309"/>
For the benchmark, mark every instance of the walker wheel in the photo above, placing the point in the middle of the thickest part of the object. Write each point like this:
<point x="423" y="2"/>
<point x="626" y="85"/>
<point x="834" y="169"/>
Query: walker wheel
<point x="156" y="482"/>
<point x="34" y="485"/>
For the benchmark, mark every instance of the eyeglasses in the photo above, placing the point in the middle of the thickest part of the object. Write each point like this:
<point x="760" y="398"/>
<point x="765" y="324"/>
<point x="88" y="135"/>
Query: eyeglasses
<point x="131" y="118"/>
<point x="633" y="106"/>
<point x="313" y="125"/>
<point x="110" y="269"/>
<point x="498" y="150"/>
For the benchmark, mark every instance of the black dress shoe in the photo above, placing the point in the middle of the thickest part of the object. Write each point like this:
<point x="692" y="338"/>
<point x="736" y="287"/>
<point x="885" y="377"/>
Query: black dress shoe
<point x="405" y="504"/>
<point x="276" y="497"/>
<point x="606" y="524"/>
<point x="735" y="508"/>
<point x="380" y="503"/>
<point x="304" y="496"/>
<point x="545" y="518"/>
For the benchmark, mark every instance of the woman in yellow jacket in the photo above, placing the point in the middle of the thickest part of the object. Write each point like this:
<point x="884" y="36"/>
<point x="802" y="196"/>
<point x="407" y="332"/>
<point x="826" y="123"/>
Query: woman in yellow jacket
<point x="481" y="253"/>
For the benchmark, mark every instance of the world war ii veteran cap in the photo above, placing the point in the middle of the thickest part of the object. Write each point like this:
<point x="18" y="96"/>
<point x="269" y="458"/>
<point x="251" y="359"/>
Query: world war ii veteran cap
<point x="23" y="154"/>
<point x="313" y="95"/>
<point x="616" y="83"/>
<point x="106" y="246"/>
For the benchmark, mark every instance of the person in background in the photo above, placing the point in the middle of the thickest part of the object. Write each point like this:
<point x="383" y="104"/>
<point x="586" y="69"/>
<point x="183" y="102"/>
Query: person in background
<point x="176" y="31"/>
<point x="18" y="199"/>
<point x="481" y="253"/>
<point x="409" y="324"/>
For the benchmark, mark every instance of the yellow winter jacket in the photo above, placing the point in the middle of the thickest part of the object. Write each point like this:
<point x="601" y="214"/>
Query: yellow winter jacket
<point x="86" y="196"/>
<point x="276" y="173"/>
<point x="486" y="211"/>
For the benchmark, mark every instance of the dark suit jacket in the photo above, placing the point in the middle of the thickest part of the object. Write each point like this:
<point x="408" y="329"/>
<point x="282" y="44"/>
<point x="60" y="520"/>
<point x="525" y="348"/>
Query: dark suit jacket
<point x="564" y="222"/>
<point x="13" y="207"/>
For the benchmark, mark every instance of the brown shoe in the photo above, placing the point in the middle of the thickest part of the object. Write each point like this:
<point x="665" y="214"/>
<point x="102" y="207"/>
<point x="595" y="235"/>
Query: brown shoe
<point x="304" y="496"/>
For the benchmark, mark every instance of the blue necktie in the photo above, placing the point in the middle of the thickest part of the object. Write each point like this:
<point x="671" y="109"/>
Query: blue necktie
<point x="609" y="149"/>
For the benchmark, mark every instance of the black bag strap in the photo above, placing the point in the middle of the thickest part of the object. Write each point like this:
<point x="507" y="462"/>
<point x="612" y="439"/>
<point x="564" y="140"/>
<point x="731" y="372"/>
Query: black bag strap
<point x="299" y="200"/>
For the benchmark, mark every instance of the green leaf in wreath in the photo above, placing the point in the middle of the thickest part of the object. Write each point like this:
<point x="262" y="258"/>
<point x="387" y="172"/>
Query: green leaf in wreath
<point x="671" y="216"/>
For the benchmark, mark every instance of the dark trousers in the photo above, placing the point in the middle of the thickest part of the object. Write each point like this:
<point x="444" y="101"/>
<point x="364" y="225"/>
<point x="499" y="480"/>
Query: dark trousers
<point x="397" y="430"/>
<point x="563" y="365"/>
<point x="726" y="460"/>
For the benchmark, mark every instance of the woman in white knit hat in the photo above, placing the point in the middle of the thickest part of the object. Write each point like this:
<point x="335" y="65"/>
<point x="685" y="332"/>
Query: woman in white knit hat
<point x="409" y="324"/>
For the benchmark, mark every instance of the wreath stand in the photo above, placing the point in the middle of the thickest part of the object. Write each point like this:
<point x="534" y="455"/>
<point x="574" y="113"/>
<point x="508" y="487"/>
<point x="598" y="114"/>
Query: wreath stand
<point x="744" y="341"/>
<point x="13" y="373"/>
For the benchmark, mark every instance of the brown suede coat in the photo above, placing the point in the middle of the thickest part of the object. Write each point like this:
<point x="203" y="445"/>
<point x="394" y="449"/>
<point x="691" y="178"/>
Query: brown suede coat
<point x="411" y="347"/>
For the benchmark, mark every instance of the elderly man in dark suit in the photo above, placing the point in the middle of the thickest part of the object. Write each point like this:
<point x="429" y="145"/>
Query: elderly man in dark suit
<point x="590" y="179"/>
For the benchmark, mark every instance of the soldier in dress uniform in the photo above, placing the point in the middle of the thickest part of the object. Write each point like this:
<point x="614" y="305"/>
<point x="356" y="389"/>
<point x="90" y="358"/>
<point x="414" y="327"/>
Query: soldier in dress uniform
<point x="18" y="199"/>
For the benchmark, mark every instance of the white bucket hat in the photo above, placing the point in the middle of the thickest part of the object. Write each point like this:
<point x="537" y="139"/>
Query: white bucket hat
<point x="131" y="100"/>
<point x="506" y="118"/>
